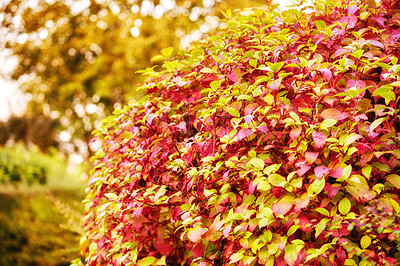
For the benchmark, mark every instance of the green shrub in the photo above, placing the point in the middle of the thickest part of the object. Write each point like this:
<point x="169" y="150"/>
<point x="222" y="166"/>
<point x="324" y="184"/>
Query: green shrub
<point x="18" y="165"/>
<point x="275" y="142"/>
<point x="26" y="167"/>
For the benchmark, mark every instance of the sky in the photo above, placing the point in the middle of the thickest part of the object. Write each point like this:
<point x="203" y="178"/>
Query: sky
<point x="11" y="98"/>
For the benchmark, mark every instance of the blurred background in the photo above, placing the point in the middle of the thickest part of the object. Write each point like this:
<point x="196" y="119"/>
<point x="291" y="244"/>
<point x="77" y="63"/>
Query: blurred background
<point x="64" y="66"/>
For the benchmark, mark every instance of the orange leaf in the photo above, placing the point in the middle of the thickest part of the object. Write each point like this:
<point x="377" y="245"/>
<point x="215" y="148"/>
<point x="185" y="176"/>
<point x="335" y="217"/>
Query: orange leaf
<point x="331" y="113"/>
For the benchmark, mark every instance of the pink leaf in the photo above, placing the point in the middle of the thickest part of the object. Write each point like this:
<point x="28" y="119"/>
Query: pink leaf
<point x="263" y="129"/>
<point x="283" y="205"/>
<point x="243" y="133"/>
<point x="252" y="187"/>
<point x="311" y="156"/>
<point x="377" y="44"/>
<point x="326" y="74"/>
<point x="320" y="171"/>
<point x="182" y="126"/>
<point x="350" y="20"/>
<point x="358" y="84"/>
<point x="304" y="167"/>
<point x="233" y="77"/>
<point x="337" y="173"/>
<point x="295" y="133"/>
<point x="339" y="52"/>
<point x="195" y="234"/>
<point x="302" y="202"/>
<point x="353" y="9"/>
<point x="332" y="190"/>
<point x="248" y="118"/>
<point x="319" y="139"/>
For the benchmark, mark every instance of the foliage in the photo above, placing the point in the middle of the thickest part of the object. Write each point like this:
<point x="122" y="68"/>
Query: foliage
<point x="275" y="142"/>
<point x="33" y="231"/>
<point x="19" y="166"/>
<point x="78" y="59"/>
<point x="26" y="167"/>
<point x="38" y="130"/>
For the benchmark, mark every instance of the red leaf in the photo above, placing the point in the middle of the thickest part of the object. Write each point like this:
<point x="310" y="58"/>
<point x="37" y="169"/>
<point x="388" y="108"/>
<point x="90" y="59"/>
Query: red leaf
<point x="319" y="139"/>
<point x="198" y="250"/>
<point x="311" y="156"/>
<point x="304" y="223"/>
<point x="243" y="133"/>
<point x="320" y="171"/>
<point x="331" y="113"/>
<point x="162" y="247"/>
<point x="252" y="187"/>
<point x="332" y="191"/>
<point x="175" y="212"/>
<point x="341" y="256"/>
<point x="233" y="77"/>
<point x="350" y="20"/>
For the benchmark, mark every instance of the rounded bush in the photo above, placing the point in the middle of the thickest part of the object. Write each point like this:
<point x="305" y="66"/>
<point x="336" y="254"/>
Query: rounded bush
<point x="274" y="142"/>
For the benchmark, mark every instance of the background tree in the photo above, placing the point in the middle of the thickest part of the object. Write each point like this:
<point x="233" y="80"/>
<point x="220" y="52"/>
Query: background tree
<point x="78" y="59"/>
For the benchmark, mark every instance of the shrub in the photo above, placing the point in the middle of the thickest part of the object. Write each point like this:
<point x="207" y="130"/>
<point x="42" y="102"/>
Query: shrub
<point x="275" y="142"/>
<point x="19" y="165"/>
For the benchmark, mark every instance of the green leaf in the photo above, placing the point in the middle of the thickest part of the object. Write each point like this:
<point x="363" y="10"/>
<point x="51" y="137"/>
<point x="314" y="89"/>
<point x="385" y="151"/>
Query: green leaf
<point x="146" y="261"/>
<point x="327" y="123"/>
<point x="344" y="206"/>
<point x="245" y="97"/>
<point x="167" y="52"/>
<point x="394" y="180"/>
<point x="347" y="172"/>
<point x="365" y="242"/>
<point x="277" y="66"/>
<point x="236" y="257"/>
<point x="318" y="185"/>
<point x="352" y="138"/>
<point x="376" y="123"/>
<point x="276" y="180"/>
<point x="293" y="229"/>
<point x="258" y="163"/>
<point x="291" y="254"/>
<point x="322" y="211"/>
<point x="321" y="25"/>
<point x="111" y="196"/>
<point x="366" y="170"/>
<point x="233" y="112"/>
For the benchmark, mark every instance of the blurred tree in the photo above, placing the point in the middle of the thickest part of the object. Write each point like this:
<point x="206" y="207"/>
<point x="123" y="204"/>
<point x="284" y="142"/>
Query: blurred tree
<point x="78" y="58"/>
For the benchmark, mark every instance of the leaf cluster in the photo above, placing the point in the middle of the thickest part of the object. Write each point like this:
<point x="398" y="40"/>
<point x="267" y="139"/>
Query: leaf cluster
<point x="275" y="142"/>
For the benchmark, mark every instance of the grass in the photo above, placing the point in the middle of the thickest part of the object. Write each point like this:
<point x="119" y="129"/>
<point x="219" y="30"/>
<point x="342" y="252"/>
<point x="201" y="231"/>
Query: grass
<point x="42" y="224"/>
<point x="40" y="228"/>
